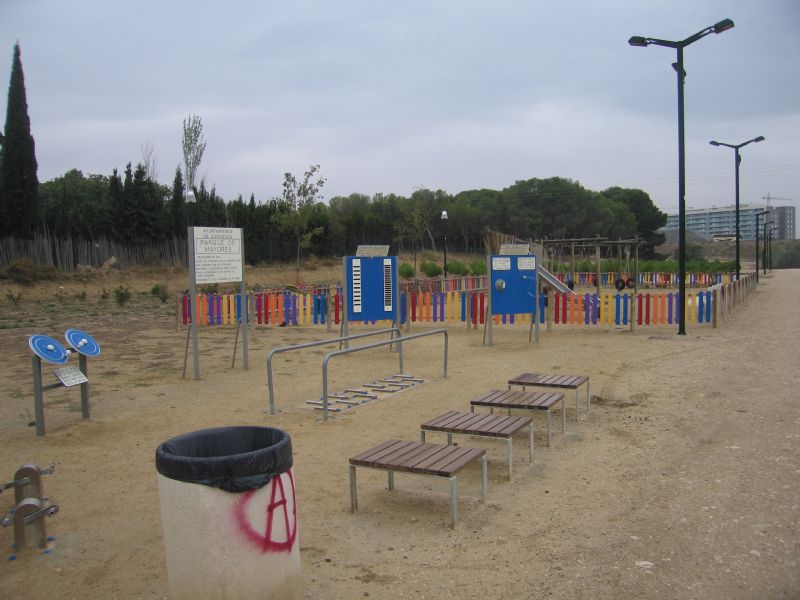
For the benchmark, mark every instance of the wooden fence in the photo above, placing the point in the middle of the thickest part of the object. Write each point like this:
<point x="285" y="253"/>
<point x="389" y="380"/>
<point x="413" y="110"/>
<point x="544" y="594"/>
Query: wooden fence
<point x="66" y="254"/>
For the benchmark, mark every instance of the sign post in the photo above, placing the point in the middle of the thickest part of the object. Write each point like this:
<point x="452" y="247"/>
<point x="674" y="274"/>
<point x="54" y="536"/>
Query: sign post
<point x="216" y="255"/>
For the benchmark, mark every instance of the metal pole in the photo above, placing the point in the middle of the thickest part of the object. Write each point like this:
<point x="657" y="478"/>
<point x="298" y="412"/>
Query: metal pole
<point x="738" y="263"/>
<point x="194" y="303"/>
<point x="757" y="218"/>
<point x="38" y="395"/>
<point x="681" y="201"/>
<point x="83" y="364"/>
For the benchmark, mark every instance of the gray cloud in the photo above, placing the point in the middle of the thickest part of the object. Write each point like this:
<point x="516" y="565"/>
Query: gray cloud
<point x="387" y="97"/>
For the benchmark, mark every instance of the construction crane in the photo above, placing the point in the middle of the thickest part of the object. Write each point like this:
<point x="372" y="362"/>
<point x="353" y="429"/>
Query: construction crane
<point x="770" y="197"/>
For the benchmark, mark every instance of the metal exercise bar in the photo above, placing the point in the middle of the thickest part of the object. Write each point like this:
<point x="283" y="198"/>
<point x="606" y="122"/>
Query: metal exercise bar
<point x="404" y="339"/>
<point x="275" y="351"/>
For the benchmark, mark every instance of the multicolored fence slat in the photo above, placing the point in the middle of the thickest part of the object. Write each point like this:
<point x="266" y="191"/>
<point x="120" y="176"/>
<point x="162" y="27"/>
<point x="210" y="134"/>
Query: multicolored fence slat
<point x="315" y="307"/>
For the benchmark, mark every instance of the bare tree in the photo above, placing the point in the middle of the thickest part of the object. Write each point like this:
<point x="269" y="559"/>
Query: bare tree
<point x="193" y="147"/>
<point x="149" y="161"/>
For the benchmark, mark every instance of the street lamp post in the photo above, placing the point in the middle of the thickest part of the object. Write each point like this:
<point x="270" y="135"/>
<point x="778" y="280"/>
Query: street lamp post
<point x="758" y="216"/>
<point x="772" y="233"/>
<point x="765" y="244"/>
<point x="444" y="223"/>
<point x="738" y="160"/>
<point x="640" y="41"/>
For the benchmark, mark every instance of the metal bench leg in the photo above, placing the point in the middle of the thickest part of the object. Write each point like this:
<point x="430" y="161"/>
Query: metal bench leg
<point x="422" y="435"/>
<point x="510" y="456"/>
<point x="588" y="401"/>
<point x="391" y="480"/>
<point x="530" y="433"/>
<point x="353" y="496"/>
<point x="484" y="478"/>
<point x="563" y="415"/>
<point x="549" y="422"/>
<point x="453" y="504"/>
<point x="576" y="404"/>
<point x="449" y="439"/>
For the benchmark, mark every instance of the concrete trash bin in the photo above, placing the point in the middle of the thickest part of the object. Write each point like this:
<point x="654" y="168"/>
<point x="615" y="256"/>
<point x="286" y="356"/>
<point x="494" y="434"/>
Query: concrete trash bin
<point x="229" y="514"/>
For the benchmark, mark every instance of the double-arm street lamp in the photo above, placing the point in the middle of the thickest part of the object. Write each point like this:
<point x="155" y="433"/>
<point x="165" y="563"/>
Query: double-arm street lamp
<point x="758" y="216"/>
<point x="738" y="161"/>
<point x="640" y="41"/>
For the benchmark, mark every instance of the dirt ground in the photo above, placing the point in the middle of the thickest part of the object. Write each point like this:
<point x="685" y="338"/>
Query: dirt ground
<point x="682" y="482"/>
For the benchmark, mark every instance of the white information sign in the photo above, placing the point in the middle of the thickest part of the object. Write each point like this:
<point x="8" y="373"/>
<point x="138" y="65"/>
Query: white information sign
<point x="71" y="375"/>
<point x="526" y="263"/>
<point x="217" y="254"/>
<point x="501" y="263"/>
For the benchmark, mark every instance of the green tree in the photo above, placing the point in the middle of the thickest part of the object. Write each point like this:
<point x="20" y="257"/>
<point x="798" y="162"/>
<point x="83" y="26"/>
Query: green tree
<point x="177" y="206"/>
<point x="19" y="185"/>
<point x="301" y="198"/>
<point x="194" y="145"/>
<point x="647" y="215"/>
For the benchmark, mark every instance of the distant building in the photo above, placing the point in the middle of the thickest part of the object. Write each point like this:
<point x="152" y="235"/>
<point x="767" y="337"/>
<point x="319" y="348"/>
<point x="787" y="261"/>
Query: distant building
<point x="719" y="222"/>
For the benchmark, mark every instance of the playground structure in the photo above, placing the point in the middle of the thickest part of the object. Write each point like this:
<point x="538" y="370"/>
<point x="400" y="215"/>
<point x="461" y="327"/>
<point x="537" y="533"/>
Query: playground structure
<point x="29" y="511"/>
<point x="50" y="350"/>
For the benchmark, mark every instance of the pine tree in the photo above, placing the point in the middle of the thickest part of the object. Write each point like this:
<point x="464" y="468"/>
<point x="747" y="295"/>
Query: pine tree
<point x="19" y="185"/>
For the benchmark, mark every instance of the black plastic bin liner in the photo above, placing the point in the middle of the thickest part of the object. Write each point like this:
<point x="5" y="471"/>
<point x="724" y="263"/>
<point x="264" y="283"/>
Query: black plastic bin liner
<point x="234" y="459"/>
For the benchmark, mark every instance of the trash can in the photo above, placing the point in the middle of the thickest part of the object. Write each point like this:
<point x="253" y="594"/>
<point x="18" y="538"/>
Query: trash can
<point x="229" y="514"/>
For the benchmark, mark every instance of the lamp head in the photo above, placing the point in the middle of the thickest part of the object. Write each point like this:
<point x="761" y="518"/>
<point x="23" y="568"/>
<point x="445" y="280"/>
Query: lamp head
<point x="723" y="25"/>
<point x="638" y="40"/>
<point x="713" y="143"/>
<point x="444" y="215"/>
<point x="760" y="138"/>
<point x="190" y="199"/>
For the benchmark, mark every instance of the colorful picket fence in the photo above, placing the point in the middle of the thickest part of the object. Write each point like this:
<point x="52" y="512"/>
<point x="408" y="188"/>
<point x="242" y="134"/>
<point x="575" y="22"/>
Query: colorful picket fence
<point x="311" y="308"/>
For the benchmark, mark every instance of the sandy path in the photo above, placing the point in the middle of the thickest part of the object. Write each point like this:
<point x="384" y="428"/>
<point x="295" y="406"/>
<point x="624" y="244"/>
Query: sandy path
<point x="681" y="483"/>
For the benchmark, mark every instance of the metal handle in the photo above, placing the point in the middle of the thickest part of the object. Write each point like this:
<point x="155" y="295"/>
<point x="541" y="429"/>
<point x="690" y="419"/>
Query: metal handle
<point x="44" y="512"/>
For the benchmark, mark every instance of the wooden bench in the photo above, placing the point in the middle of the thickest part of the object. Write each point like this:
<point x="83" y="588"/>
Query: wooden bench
<point x="422" y="459"/>
<point x="497" y="426"/>
<point x="524" y="400"/>
<point x="556" y="381"/>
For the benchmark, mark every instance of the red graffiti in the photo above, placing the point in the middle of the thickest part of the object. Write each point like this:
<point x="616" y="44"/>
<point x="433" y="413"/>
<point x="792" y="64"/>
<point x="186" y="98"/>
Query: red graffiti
<point x="264" y="541"/>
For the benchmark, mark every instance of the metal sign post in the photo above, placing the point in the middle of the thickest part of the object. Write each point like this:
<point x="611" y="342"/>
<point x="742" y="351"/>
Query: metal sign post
<point x="216" y="255"/>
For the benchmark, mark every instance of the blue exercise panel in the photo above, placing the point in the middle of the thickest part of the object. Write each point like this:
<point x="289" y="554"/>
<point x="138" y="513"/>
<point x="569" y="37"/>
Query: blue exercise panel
<point x="82" y="342"/>
<point x="513" y="284"/>
<point x="371" y="288"/>
<point x="48" y="349"/>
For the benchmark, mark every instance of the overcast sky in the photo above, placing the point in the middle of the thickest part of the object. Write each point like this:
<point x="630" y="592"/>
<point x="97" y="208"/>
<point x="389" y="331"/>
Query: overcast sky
<point x="392" y="96"/>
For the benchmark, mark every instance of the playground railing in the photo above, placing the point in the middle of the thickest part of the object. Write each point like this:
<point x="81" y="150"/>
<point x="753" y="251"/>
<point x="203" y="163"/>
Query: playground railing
<point x="426" y="304"/>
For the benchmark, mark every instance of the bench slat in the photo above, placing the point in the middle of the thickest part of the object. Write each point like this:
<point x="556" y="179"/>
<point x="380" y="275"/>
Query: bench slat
<point x="449" y="464"/>
<point x="379" y="453"/>
<point x="549" y="380"/>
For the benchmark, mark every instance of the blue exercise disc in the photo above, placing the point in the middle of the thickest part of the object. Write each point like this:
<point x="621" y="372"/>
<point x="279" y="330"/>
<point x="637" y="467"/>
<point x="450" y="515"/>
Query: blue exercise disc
<point x="48" y="349"/>
<point x="82" y="342"/>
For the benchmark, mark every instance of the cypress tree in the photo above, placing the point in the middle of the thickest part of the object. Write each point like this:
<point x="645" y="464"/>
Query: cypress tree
<point x="19" y="186"/>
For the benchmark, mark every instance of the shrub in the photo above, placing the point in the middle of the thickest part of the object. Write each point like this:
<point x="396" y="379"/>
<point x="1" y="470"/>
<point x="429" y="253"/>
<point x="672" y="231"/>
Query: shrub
<point x="456" y="267"/>
<point x="160" y="291"/>
<point x="13" y="298"/>
<point x="477" y="267"/>
<point x="104" y="294"/>
<point x="406" y="271"/>
<point x="24" y="272"/>
<point x="431" y="269"/>
<point x="122" y="295"/>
